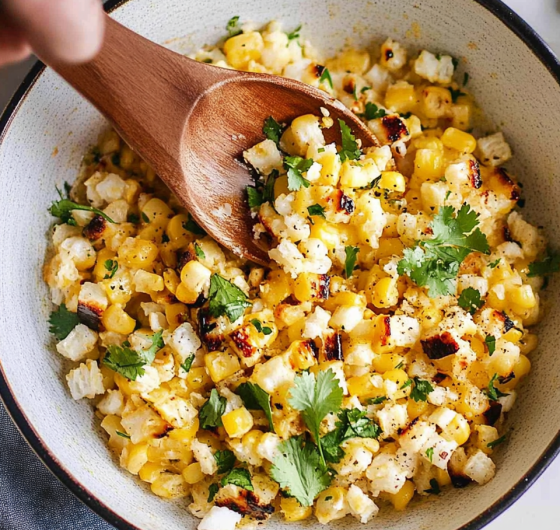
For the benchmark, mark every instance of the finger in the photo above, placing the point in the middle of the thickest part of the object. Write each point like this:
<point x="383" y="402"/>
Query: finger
<point x="13" y="46"/>
<point x="69" y="31"/>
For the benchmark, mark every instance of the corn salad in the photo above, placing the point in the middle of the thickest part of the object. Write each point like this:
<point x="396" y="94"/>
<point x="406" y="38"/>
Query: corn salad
<point x="403" y="286"/>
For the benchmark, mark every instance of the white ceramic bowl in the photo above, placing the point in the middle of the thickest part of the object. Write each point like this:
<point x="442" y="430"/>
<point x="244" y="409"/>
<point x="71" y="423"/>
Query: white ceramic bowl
<point x="47" y="127"/>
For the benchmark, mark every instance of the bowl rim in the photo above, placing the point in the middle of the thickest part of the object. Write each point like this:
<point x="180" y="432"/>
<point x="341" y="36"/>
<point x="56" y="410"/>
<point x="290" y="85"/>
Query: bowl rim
<point x="543" y="53"/>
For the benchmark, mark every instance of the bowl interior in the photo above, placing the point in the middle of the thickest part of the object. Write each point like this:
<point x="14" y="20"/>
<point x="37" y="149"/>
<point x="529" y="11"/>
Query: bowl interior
<point x="52" y="127"/>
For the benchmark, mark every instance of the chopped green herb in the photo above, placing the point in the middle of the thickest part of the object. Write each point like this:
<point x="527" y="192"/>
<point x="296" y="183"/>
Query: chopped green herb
<point x="255" y="398"/>
<point x="430" y="453"/>
<point x="399" y="366"/>
<point x="326" y="76"/>
<point x="225" y="460"/>
<point x="549" y="265"/>
<point x="364" y="89"/>
<point x="122" y="434"/>
<point x="435" y="489"/>
<point x="295" y="165"/>
<point x="133" y="218"/>
<point x="466" y="78"/>
<point x="212" y="492"/>
<point x="421" y="390"/>
<point x="116" y="159"/>
<point x="232" y="26"/>
<point x="294" y="34"/>
<point x="273" y="130"/>
<point x="350" y="261"/>
<point x="265" y="330"/>
<point x="456" y="94"/>
<point x="350" y="150"/>
<point x="376" y="400"/>
<point x="268" y="191"/>
<point x="225" y="298"/>
<point x="254" y="197"/>
<point x="373" y="112"/>
<point x="187" y="364"/>
<point x="111" y="266"/>
<point x="470" y="300"/>
<point x="193" y="227"/>
<point x="316" y="209"/>
<point x="64" y="207"/>
<point x="199" y="252"/>
<point x="145" y="218"/>
<point x="455" y="62"/>
<point x="492" y="392"/>
<point x="321" y="150"/>
<point x="494" y="264"/>
<point x="490" y="344"/>
<point x="406" y="384"/>
<point x="211" y="413"/>
<point x="238" y="477"/>
<point x="62" y="322"/>
<point x="497" y="442"/>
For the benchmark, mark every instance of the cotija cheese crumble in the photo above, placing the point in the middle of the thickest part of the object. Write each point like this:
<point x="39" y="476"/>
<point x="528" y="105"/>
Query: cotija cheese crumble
<point x="376" y="357"/>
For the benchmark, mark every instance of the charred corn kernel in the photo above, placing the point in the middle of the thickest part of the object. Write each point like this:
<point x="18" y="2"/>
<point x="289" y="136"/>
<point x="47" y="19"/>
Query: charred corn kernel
<point x="138" y="253"/>
<point x="386" y="361"/>
<point x="243" y="48"/>
<point x="193" y="474"/>
<point x="237" y="422"/>
<point x="436" y="102"/>
<point x="384" y="293"/>
<point x="513" y="335"/>
<point x="330" y="505"/>
<point x="150" y="471"/>
<point x="416" y="408"/>
<point x="392" y="181"/>
<point x="170" y="486"/>
<point x="309" y="286"/>
<point x="171" y="280"/>
<point x="178" y="235"/>
<point x="115" y="319"/>
<point x="293" y="511"/>
<point x="528" y="343"/>
<point x="276" y="288"/>
<point x="522" y="297"/>
<point x="175" y="315"/>
<point x="389" y="246"/>
<point x="187" y="434"/>
<point x="198" y="378"/>
<point x="400" y="378"/>
<point x="221" y="365"/>
<point x="136" y="457"/>
<point x="460" y="141"/>
<point x="157" y="212"/>
<point x="401" y="97"/>
<point x="146" y="282"/>
<point x="194" y="278"/>
<point x="458" y="430"/>
<point x="401" y="499"/>
<point x="428" y="164"/>
<point x="362" y="387"/>
<point x="300" y="353"/>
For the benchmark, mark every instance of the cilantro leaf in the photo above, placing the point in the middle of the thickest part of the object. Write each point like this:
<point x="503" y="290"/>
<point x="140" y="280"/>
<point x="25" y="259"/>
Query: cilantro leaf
<point x="373" y="112"/>
<point x="112" y="267"/>
<point x="494" y="264"/>
<point x="225" y="298"/>
<point x="212" y="411"/>
<point x="254" y="197"/>
<point x="239" y="477"/>
<point x="272" y="130"/>
<point x="497" y="442"/>
<point x="199" y="252"/>
<point x="122" y="434"/>
<point x="421" y="390"/>
<point x="466" y="79"/>
<point x="255" y="398"/>
<point x="326" y="76"/>
<point x="130" y="363"/>
<point x="376" y="400"/>
<point x="350" y="261"/>
<point x="192" y="227"/>
<point x="63" y="210"/>
<point x="491" y="344"/>
<point x="265" y="330"/>
<point x="294" y="34"/>
<point x="456" y="94"/>
<point x="430" y="453"/>
<point x="295" y="165"/>
<point x="435" y="489"/>
<point x="225" y="460"/>
<point x="146" y="219"/>
<point x="470" y="300"/>
<point x="268" y="190"/>
<point x="299" y="470"/>
<point x="232" y="26"/>
<point x="492" y="392"/>
<point x="62" y="322"/>
<point x="352" y="423"/>
<point x="350" y="149"/>
<point x="212" y="491"/>
<point x="549" y="265"/>
<point x="316" y="209"/>
<point x="315" y="398"/>
<point x="187" y="364"/>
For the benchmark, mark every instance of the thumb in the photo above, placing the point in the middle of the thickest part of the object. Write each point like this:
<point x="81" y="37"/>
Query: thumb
<point x="69" y="31"/>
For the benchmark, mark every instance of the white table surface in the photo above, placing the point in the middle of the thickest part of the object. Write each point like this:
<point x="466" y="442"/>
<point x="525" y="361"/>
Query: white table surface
<point x="539" y="508"/>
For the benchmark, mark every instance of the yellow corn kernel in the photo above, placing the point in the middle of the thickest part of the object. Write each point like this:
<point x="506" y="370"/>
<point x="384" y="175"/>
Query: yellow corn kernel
<point x="175" y="313"/>
<point x="187" y="434"/>
<point x="362" y="387"/>
<point x="416" y="408"/>
<point x="460" y="141"/>
<point x="428" y="165"/>
<point x="328" y="233"/>
<point x="281" y="186"/>
<point x="138" y="253"/>
<point x="132" y="191"/>
<point x="193" y="474"/>
<point x="389" y="246"/>
<point x="386" y="361"/>
<point x="150" y="471"/>
<point x="522" y="297"/>
<point x="170" y="486"/>
<point x="400" y="377"/>
<point x="100" y="271"/>
<point x="485" y="434"/>
<point x="461" y="116"/>
<point x="251" y="440"/>
<point x="528" y="343"/>
<point x="221" y="365"/>
<point x="443" y="478"/>
<point x="277" y="287"/>
<point x="136" y="457"/>
<point x="168" y="255"/>
<point x="384" y="293"/>
<point x="330" y="168"/>
<point x="401" y="499"/>
<point x="495" y="300"/>
<point x="198" y="378"/>
<point x="472" y="402"/>
<point x="514" y="335"/>
<point x="477" y="346"/>
<point x="293" y="511"/>
<point x="392" y="181"/>
<point x="458" y="430"/>
<point x="401" y="97"/>
<point x="358" y="174"/>
<point x="345" y="298"/>
<point x="111" y="424"/>
<point x="521" y="368"/>
<point x="351" y="60"/>
<point x="309" y="286"/>
<point x="436" y="102"/>
<point x="147" y="282"/>
<point x="115" y="319"/>
<point x="478" y="374"/>
<point x="237" y="422"/>
<point x="326" y="505"/>
<point x="178" y="235"/>
<point x="194" y="278"/>
<point x="171" y="280"/>
<point x="243" y="48"/>
<point x="157" y="212"/>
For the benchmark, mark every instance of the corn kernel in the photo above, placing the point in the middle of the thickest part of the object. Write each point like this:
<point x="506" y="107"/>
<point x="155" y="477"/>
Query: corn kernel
<point x="416" y="408"/>
<point x="386" y="361"/>
<point x="146" y="282"/>
<point x="428" y="164"/>
<point x="460" y="141"/>
<point x="136" y="457"/>
<point x="401" y="499"/>
<point x="401" y="97"/>
<point x="384" y="293"/>
<point x="400" y="377"/>
<point x="138" y="253"/>
<point x="436" y="102"/>
<point x="170" y="486"/>
<point x="392" y="181"/>
<point x="528" y="343"/>
<point x="157" y="212"/>
<point x="458" y="430"/>
<point x="187" y="434"/>
<point x="309" y="286"/>
<point x="237" y="422"/>
<point x="362" y="387"/>
<point x="243" y="48"/>
<point x="193" y="474"/>
<point x="115" y="319"/>
<point x="514" y="335"/>
<point x="198" y="379"/>
<point x="293" y="511"/>
<point x="150" y="471"/>
<point x="522" y="297"/>
<point x="221" y="365"/>
<point x="330" y="505"/>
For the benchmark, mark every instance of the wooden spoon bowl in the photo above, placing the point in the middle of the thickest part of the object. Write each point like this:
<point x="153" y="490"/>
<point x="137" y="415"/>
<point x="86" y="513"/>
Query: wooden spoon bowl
<point x="192" y="121"/>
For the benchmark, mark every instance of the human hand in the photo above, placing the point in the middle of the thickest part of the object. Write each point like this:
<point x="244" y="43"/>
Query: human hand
<point x="69" y="31"/>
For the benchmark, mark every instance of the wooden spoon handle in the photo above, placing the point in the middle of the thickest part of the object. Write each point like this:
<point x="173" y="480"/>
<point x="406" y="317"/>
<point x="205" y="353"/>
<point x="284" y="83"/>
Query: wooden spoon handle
<point x="144" y="90"/>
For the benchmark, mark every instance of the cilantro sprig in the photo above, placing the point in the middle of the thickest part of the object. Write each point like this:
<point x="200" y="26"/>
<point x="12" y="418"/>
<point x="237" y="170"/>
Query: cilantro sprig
<point x="225" y="298"/>
<point x="232" y="26"/>
<point x="373" y="112"/>
<point x="62" y="322"/>
<point x="326" y="77"/>
<point x="63" y="209"/>
<point x="421" y="389"/>
<point x="492" y="392"/>
<point x="188" y="362"/>
<point x="225" y="460"/>
<point x="316" y="210"/>
<point x="212" y="411"/>
<point x="548" y="265"/>
<point x="350" y="149"/>
<point x="112" y="267"/>
<point x="470" y="300"/>
<point x="350" y="261"/>
<point x="272" y="129"/>
<point x="294" y="34"/>
<point x="255" y="398"/>
<point x="435" y="262"/>
<point x="296" y="166"/>
<point x="238" y="477"/>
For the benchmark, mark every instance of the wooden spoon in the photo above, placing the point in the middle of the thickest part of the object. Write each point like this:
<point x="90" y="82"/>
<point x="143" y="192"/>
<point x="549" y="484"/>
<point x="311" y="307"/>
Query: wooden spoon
<point x="192" y="121"/>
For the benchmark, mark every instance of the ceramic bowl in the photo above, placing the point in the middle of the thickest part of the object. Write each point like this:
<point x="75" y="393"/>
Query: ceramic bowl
<point x="47" y="127"/>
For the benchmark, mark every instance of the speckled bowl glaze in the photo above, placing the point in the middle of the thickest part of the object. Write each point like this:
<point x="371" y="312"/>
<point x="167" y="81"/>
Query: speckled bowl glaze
<point x="47" y="127"/>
